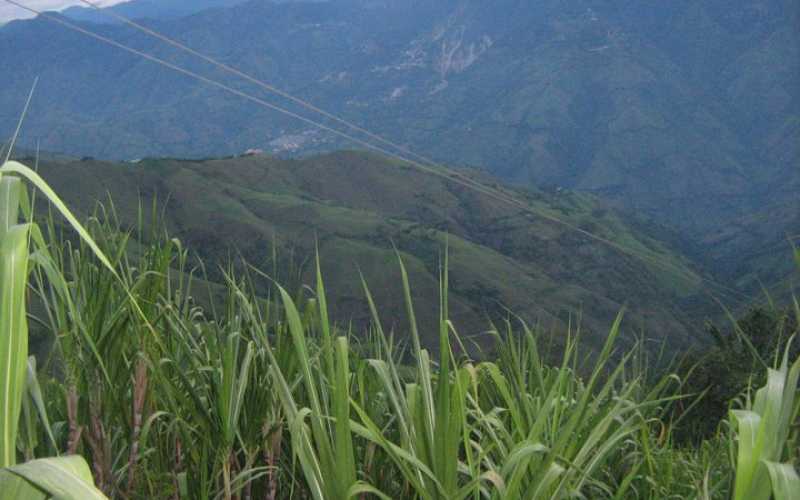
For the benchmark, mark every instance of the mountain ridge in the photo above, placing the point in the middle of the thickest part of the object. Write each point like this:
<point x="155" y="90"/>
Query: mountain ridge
<point x="140" y="9"/>
<point x="683" y="113"/>
<point x="612" y="102"/>
<point x="357" y="211"/>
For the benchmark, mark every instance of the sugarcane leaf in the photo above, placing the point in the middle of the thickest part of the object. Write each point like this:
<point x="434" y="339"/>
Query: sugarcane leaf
<point x="63" y="478"/>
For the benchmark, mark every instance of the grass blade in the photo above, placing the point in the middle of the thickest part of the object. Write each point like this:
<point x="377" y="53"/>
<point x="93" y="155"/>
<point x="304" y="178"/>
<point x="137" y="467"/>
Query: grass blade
<point x="13" y="337"/>
<point x="66" y="478"/>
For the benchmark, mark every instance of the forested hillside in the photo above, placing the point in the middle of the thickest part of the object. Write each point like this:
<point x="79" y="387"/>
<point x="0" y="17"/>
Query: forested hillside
<point x="355" y="208"/>
<point x="684" y="112"/>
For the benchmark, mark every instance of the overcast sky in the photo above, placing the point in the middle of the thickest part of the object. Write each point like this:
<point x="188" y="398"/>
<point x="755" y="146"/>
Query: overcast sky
<point x="9" y="12"/>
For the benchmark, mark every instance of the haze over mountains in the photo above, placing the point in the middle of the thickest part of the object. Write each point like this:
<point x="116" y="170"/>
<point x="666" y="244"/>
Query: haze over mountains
<point x="157" y="9"/>
<point x="684" y="112"/>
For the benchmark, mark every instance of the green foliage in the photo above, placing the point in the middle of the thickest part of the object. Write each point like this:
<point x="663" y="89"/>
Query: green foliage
<point x="538" y="93"/>
<point x="736" y="360"/>
<point x="262" y="395"/>
<point x="354" y="206"/>
<point x="13" y="321"/>
<point x="66" y="478"/>
<point x="763" y="428"/>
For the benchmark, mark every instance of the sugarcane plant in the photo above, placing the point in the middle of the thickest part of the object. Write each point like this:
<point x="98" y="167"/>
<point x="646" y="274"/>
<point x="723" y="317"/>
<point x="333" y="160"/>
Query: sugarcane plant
<point x="22" y="247"/>
<point x="271" y="399"/>
<point x="763" y="446"/>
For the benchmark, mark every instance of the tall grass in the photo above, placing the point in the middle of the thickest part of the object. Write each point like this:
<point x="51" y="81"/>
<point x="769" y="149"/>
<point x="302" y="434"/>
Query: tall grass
<point x="764" y="426"/>
<point x="263" y="396"/>
<point x="65" y="477"/>
<point x="14" y="327"/>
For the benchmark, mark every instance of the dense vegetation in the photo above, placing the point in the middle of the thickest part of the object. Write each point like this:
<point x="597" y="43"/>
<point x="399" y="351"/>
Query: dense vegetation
<point x="162" y="9"/>
<point x="345" y="326"/>
<point x="262" y="396"/>
<point x="685" y="111"/>
<point x="358" y="208"/>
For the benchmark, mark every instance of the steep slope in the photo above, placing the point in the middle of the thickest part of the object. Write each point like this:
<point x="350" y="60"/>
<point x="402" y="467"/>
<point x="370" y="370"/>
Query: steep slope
<point x="676" y="109"/>
<point x="358" y="206"/>
<point x="756" y="250"/>
<point x="138" y="9"/>
<point x="686" y="112"/>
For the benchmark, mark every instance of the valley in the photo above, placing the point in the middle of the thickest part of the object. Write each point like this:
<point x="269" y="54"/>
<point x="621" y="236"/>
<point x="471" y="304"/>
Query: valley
<point x="379" y="249"/>
<point x="357" y="208"/>
<point x="611" y="100"/>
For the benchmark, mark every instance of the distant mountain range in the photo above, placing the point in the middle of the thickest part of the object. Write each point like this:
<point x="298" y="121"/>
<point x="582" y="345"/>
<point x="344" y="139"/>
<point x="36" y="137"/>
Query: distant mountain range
<point x="683" y="112"/>
<point x="153" y="9"/>
<point x="358" y="206"/>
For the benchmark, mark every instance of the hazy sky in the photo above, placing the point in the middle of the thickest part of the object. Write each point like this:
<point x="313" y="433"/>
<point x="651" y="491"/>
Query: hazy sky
<point x="9" y="12"/>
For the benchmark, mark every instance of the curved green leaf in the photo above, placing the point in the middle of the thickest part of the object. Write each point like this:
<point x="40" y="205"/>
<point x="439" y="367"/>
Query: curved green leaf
<point x="65" y="478"/>
<point x="785" y="481"/>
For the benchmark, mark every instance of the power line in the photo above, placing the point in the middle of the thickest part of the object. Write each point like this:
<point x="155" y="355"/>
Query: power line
<point x="271" y="88"/>
<point x="264" y="85"/>
<point x="436" y="170"/>
<point x="440" y="171"/>
<point x="304" y="103"/>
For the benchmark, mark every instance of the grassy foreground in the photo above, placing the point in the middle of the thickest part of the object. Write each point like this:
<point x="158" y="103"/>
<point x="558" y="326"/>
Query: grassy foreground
<point x="263" y="397"/>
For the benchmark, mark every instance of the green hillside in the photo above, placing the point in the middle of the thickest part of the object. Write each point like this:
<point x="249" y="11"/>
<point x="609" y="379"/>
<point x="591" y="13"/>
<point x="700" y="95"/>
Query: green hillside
<point x="357" y="206"/>
<point x="223" y="277"/>
<point x="685" y="111"/>
<point x="146" y="393"/>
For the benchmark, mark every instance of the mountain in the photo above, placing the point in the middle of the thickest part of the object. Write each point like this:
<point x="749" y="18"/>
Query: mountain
<point x="357" y="207"/>
<point x="139" y="9"/>
<point x="687" y="113"/>
<point x="756" y="250"/>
